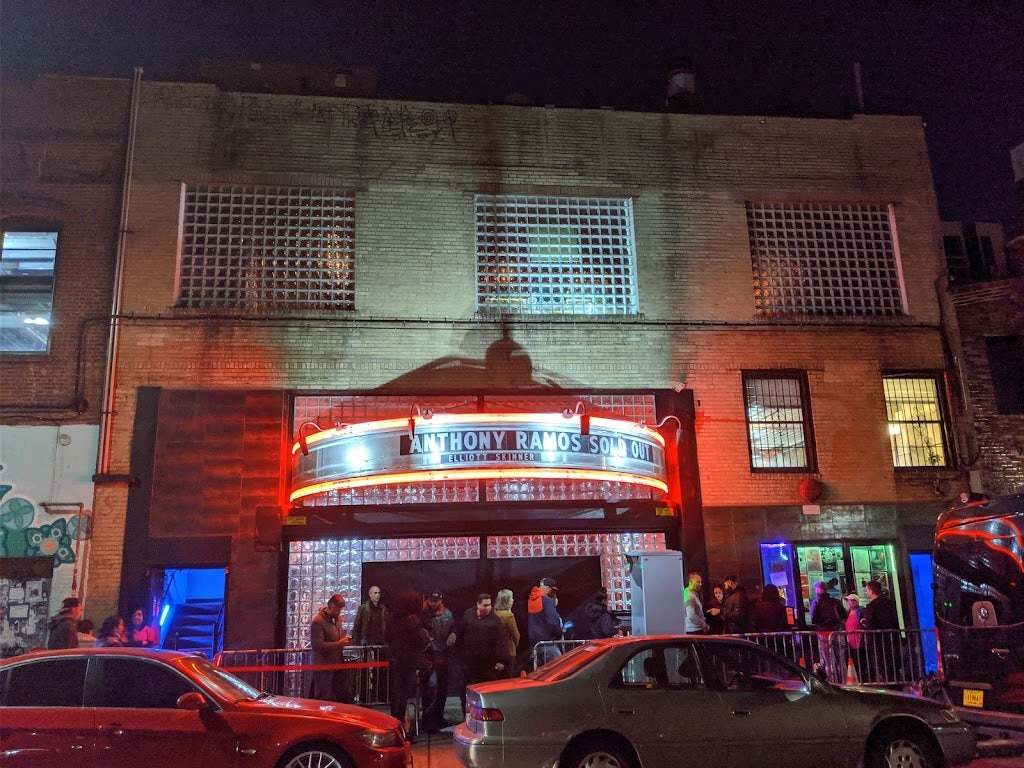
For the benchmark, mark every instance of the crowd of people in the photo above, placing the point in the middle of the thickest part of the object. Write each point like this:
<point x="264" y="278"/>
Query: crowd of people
<point x="735" y="609"/>
<point x="68" y="629"/>
<point x="423" y="641"/>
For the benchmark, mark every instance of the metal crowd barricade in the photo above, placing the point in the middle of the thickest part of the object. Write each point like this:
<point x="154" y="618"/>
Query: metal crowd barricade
<point x="892" y="658"/>
<point x="546" y="650"/>
<point x="289" y="671"/>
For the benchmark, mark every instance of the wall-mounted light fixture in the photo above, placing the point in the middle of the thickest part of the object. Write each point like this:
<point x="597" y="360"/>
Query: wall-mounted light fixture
<point x="672" y="417"/>
<point x="303" y="445"/>
<point x="581" y="409"/>
<point x="424" y="413"/>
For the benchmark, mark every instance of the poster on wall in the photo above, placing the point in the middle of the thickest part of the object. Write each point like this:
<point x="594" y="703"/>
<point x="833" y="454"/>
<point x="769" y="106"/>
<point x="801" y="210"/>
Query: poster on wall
<point x="24" y="603"/>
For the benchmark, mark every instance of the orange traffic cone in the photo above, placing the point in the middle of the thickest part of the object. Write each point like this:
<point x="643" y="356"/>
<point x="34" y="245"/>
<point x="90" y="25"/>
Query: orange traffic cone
<point x="851" y="673"/>
<point x="801" y="662"/>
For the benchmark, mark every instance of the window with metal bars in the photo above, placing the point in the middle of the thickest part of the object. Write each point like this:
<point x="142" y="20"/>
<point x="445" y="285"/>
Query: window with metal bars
<point x="831" y="260"/>
<point x="555" y="255"/>
<point x="917" y="425"/>
<point x="267" y="248"/>
<point x="779" y="436"/>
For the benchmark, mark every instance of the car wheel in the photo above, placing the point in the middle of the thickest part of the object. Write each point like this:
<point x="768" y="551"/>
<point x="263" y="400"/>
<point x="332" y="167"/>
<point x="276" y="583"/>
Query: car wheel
<point x="597" y="754"/>
<point x="899" y="749"/>
<point x="315" y="756"/>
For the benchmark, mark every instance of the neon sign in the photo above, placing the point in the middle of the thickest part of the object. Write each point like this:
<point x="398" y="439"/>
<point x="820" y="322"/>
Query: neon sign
<point x="478" y="446"/>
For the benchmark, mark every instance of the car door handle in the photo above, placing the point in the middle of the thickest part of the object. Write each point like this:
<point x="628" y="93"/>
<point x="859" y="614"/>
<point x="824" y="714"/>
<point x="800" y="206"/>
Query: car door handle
<point x="624" y="711"/>
<point x="113" y="730"/>
<point x="741" y="711"/>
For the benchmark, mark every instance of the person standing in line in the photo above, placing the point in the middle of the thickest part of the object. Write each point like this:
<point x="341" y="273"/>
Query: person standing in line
<point x="328" y="643"/>
<point x="112" y="633"/>
<point x="544" y="624"/>
<point x="854" y="639"/>
<point x="736" y="608"/>
<point x="592" y="619"/>
<point x="713" y="610"/>
<point x="438" y="621"/>
<point x="479" y="640"/>
<point x="503" y="610"/>
<point x="370" y="627"/>
<point x="369" y="632"/>
<point x="63" y="628"/>
<point x="693" y="607"/>
<point x="141" y="634"/>
<point x="883" y="649"/>
<point x="86" y="639"/>
<point x="407" y="642"/>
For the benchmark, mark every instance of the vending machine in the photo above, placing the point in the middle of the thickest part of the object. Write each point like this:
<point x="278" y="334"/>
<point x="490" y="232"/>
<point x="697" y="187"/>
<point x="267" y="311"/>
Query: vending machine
<point x="656" y="590"/>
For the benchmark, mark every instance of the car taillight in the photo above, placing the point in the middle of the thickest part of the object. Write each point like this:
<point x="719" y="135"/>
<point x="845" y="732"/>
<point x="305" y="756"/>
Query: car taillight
<point x="486" y="714"/>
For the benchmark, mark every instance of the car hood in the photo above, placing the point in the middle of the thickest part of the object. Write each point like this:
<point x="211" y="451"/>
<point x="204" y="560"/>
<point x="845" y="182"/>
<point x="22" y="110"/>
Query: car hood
<point x="358" y="717"/>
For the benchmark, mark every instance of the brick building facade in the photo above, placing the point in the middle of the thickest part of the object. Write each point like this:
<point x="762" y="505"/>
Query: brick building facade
<point x="714" y="235"/>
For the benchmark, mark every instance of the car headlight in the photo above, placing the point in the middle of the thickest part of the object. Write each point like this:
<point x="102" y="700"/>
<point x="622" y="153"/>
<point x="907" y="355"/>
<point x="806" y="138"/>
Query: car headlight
<point x="950" y="715"/>
<point x="380" y="739"/>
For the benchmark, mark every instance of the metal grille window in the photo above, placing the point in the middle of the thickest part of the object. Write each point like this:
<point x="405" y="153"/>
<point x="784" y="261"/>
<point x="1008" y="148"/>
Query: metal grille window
<point x="26" y="290"/>
<point x="825" y="260"/>
<point x="778" y="421"/>
<point x="555" y="255"/>
<point x="268" y="248"/>
<point x="917" y="430"/>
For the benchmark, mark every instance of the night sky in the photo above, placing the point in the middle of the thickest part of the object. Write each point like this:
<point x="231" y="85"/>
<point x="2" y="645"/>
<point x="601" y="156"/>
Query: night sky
<point x="957" y="63"/>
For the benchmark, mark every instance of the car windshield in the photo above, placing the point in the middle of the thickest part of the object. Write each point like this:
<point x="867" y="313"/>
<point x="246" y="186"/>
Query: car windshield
<point x="222" y="682"/>
<point x="569" y="663"/>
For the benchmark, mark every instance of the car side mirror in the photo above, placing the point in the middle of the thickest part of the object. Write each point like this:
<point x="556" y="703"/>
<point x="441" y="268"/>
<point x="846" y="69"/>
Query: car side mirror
<point x="192" y="700"/>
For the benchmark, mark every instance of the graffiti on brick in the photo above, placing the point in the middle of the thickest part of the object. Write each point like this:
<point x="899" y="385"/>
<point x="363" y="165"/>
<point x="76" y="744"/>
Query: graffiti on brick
<point x="391" y="121"/>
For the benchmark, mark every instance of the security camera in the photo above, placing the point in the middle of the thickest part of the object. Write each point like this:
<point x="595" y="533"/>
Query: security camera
<point x="680" y="386"/>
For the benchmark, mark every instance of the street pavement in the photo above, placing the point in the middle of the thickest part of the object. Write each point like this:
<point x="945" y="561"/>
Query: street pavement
<point x="436" y="751"/>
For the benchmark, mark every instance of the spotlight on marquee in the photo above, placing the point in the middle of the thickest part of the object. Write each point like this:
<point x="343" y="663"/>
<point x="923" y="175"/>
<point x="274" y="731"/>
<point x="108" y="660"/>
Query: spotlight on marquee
<point x="424" y="413"/>
<point x="303" y="445"/>
<point x="581" y="409"/>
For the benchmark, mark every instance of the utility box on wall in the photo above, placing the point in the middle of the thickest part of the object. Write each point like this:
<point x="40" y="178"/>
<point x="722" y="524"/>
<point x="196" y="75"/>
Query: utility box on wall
<point x="656" y="590"/>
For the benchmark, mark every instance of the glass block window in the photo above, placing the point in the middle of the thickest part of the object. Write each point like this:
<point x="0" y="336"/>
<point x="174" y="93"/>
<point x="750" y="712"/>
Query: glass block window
<point x="26" y="290"/>
<point x="917" y="429"/>
<point x="831" y="260"/>
<point x="778" y="421"/>
<point x="267" y="248"/>
<point x="555" y="255"/>
<point x="317" y="569"/>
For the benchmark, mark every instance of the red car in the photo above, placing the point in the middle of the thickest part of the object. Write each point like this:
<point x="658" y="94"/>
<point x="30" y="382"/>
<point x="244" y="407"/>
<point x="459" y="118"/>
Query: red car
<point x="99" y="707"/>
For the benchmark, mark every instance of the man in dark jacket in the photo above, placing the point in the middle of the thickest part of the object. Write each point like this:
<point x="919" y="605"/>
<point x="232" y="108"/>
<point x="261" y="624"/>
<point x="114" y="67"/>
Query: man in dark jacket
<point x="592" y="619"/>
<point x="884" y="650"/>
<point x="479" y="640"/>
<point x="736" y="609"/>
<point x="64" y="626"/>
<point x="407" y="643"/>
<point x="438" y="621"/>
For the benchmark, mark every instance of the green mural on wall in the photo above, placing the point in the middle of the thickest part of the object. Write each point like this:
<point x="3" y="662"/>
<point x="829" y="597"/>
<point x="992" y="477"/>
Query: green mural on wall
<point x="19" y="538"/>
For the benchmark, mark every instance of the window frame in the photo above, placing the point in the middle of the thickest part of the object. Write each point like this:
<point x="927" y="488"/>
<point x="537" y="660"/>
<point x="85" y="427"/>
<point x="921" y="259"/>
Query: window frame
<point x="943" y="421"/>
<point x="33" y="228"/>
<point x="806" y="422"/>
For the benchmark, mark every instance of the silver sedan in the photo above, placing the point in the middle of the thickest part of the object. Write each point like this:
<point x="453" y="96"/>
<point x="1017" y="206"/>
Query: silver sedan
<point x="707" y="702"/>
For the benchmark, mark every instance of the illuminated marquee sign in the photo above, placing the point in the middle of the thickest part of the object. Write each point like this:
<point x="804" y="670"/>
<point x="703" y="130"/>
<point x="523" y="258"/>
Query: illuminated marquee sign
<point x="478" y="446"/>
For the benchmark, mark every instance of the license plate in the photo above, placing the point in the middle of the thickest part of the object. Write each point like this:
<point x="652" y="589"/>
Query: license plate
<point x="974" y="698"/>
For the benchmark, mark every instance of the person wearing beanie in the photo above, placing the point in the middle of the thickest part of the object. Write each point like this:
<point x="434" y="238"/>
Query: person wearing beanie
<point x="64" y="626"/>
